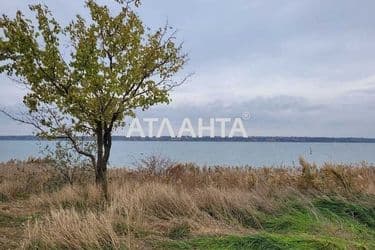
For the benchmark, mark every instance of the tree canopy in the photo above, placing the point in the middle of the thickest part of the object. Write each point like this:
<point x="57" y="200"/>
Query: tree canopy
<point x="85" y="78"/>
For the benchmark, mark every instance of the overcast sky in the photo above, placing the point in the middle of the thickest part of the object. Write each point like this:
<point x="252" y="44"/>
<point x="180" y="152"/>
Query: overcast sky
<point x="301" y="68"/>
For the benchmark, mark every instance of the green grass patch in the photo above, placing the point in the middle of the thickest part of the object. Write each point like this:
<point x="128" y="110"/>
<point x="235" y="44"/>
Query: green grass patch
<point x="345" y="210"/>
<point x="294" y="216"/>
<point x="179" y="231"/>
<point x="7" y="220"/>
<point x="3" y="198"/>
<point x="263" y="241"/>
<point x="323" y="224"/>
<point x="293" y="222"/>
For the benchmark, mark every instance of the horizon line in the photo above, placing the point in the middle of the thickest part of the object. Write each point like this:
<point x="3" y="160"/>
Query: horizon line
<point x="213" y="139"/>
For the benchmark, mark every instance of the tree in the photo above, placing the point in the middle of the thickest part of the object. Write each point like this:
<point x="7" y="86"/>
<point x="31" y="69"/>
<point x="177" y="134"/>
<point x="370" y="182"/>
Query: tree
<point x="85" y="78"/>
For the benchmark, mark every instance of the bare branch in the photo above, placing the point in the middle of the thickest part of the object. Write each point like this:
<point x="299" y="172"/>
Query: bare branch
<point x="35" y="121"/>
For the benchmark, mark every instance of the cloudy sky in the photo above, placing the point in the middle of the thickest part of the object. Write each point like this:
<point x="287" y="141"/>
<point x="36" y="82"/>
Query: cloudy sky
<point x="299" y="67"/>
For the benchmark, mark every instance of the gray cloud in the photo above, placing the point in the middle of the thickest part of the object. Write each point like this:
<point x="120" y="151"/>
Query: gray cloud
<point x="301" y="67"/>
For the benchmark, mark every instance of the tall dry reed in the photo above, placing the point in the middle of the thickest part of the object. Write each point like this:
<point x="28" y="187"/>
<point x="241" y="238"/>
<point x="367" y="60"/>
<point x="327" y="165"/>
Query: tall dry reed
<point x="172" y="201"/>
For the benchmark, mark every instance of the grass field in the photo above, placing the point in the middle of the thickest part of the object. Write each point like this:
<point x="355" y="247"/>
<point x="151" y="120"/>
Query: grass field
<point x="182" y="206"/>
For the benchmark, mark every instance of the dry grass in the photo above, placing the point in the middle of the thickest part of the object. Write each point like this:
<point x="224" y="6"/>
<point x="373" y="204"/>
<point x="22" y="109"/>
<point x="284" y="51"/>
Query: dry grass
<point x="21" y="178"/>
<point x="176" y="201"/>
<point x="328" y="178"/>
<point x="72" y="230"/>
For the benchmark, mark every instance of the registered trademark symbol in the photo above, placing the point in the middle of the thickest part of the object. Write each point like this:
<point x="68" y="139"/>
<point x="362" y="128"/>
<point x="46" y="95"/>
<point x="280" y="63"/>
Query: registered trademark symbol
<point x="246" y="116"/>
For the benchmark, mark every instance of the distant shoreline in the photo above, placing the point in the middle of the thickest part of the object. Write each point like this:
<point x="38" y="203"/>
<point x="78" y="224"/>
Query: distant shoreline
<point x="218" y="139"/>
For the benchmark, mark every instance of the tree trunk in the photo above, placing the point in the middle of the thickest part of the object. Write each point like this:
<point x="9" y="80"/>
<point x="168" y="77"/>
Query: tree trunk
<point x="101" y="164"/>
<point x="101" y="178"/>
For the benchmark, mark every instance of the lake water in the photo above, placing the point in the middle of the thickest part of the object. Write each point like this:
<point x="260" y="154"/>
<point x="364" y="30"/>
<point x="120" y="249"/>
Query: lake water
<point x="125" y="153"/>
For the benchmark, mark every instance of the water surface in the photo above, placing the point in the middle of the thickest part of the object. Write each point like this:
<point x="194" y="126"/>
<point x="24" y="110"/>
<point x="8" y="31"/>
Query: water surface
<point x="125" y="153"/>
